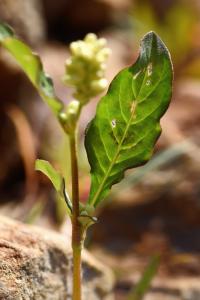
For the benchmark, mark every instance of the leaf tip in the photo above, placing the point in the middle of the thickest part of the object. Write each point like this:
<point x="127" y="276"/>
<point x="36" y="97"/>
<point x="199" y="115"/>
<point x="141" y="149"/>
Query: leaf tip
<point x="37" y="161"/>
<point x="153" y="46"/>
<point x="151" y="40"/>
<point x="5" y="31"/>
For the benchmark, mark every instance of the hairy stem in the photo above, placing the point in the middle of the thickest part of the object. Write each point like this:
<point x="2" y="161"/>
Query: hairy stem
<point x="76" y="227"/>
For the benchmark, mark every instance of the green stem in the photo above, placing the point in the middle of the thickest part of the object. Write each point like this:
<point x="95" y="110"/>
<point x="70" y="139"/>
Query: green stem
<point x="76" y="227"/>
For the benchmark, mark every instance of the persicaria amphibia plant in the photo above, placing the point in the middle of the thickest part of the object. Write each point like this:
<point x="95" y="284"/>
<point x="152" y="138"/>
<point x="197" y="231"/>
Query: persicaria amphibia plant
<point x="124" y="130"/>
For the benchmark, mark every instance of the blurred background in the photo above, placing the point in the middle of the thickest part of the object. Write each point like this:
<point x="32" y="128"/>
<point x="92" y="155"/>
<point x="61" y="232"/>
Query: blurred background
<point x="156" y="208"/>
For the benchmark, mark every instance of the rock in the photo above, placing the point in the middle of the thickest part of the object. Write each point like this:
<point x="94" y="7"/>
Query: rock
<point x="183" y="288"/>
<point x="37" y="264"/>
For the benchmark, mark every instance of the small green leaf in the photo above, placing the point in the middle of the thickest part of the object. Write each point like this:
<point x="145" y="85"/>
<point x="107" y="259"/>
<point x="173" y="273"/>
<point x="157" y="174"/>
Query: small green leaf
<point x="127" y="123"/>
<point x="32" y="66"/>
<point x="46" y="168"/>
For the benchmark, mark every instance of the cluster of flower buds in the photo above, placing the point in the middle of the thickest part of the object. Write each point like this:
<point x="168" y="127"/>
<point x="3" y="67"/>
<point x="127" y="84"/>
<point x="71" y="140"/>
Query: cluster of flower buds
<point x="85" y="69"/>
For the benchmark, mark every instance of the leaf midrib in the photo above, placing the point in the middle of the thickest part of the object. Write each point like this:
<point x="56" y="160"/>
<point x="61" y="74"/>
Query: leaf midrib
<point x="114" y="159"/>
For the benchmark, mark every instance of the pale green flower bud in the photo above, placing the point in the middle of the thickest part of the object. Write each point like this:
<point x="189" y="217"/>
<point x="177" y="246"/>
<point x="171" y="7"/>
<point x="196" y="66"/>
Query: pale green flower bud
<point x="69" y="118"/>
<point x="90" y="38"/>
<point x="99" y="85"/>
<point x="73" y="108"/>
<point x="85" y="69"/>
<point x="102" y="43"/>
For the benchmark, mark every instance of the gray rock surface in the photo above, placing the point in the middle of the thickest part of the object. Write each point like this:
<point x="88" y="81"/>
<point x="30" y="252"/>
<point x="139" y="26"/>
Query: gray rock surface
<point x="37" y="264"/>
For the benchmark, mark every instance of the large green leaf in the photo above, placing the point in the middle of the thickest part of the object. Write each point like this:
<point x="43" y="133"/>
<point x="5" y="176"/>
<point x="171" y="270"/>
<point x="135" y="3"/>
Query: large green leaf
<point x="127" y="122"/>
<point x="32" y="66"/>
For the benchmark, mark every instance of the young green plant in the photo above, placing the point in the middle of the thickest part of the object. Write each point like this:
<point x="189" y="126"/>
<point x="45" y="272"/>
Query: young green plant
<point x="124" y="130"/>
